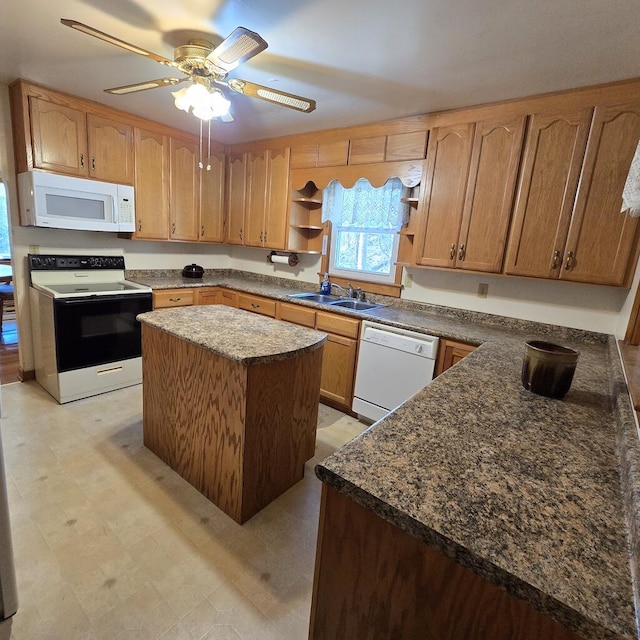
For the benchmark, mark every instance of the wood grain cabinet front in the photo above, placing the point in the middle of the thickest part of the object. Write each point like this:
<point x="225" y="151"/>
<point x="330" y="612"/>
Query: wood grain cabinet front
<point x="152" y="185"/>
<point x="163" y="298"/>
<point x="257" y="304"/>
<point x="267" y="198"/>
<point x="451" y="352"/>
<point x="469" y="187"/>
<point x="69" y="140"/>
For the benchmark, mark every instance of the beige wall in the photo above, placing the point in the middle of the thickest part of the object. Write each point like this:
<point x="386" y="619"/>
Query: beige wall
<point x="594" y="308"/>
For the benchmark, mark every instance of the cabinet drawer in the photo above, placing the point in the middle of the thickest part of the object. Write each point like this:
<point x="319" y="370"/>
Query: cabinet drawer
<point x="297" y="314"/>
<point x="333" y="323"/>
<point x="207" y="295"/>
<point x="257" y="304"/>
<point x="229" y="298"/>
<point x="172" y="298"/>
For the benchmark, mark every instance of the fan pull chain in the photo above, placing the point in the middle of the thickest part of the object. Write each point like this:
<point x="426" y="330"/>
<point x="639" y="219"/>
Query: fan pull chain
<point x="200" y="165"/>
<point x="209" y="148"/>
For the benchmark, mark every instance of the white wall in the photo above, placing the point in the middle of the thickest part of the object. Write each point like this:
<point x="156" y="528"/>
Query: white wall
<point x="595" y="308"/>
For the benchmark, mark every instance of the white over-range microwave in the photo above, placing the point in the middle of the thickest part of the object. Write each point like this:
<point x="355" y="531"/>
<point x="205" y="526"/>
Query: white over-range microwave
<point x="66" y="202"/>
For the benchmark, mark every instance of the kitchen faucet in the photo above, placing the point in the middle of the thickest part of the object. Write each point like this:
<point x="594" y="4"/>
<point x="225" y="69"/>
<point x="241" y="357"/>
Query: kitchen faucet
<point x="349" y="290"/>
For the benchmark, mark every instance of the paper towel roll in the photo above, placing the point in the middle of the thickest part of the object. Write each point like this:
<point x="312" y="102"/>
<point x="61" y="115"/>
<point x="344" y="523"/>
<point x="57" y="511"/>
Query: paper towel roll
<point x="290" y="260"/>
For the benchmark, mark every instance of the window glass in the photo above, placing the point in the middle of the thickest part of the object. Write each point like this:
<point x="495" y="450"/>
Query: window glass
<point x="366" y="219"/>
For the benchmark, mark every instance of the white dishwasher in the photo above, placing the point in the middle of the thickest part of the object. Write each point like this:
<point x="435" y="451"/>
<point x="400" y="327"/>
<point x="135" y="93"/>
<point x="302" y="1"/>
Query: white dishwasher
<point x="393" y="365"/>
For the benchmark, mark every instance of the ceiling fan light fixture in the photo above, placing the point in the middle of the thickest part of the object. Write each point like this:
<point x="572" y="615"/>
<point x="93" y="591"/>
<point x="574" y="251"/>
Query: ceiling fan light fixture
<point x="204" y="103"/>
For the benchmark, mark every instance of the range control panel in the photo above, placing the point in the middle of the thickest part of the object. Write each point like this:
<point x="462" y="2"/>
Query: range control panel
<point x="39" y="262"/>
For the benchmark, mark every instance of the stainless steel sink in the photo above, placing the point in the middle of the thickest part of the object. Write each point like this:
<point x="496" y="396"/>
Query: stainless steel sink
<point x="315" y="297"/>
<point x="356" y="305"/>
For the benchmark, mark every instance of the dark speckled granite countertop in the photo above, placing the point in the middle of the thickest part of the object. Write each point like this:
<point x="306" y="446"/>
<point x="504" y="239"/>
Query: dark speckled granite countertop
<point x="237" y="335"/>
<point x="539" y="496"/>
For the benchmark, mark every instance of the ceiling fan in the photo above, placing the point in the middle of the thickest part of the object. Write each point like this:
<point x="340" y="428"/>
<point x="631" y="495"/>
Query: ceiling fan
<point x="207" y="69"/>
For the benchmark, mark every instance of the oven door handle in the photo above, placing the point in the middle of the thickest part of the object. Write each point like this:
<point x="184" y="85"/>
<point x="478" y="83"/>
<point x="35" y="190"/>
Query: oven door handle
<point x="100" y="298"/>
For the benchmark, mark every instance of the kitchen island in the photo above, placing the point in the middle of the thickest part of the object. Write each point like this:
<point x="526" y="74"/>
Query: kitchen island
<point x="230" y="401"/>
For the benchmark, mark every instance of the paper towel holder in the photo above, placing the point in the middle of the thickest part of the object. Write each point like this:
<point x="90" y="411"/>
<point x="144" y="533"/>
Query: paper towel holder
<point x="289" y="258"/>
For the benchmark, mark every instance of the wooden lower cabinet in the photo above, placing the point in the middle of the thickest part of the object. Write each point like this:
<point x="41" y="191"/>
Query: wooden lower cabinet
<point x="373" y="580"/>
<point x="339" y="359"/>
<point x="163" y="298"/>
<point x="450" y="353"/>
<point x="297" y="315"/>
<point x="257" y="304"/>
<point x="208" y="295"/>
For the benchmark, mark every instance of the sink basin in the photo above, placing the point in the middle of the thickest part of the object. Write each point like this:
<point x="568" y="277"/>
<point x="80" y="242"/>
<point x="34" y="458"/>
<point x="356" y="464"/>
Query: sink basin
<point x="356" y="305"/>
<point x="315" y="297"/>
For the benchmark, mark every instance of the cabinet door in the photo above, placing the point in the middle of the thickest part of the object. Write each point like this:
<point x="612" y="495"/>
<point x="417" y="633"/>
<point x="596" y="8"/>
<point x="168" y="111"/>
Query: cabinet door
<point x="257" y="304"/>
<point x="110" y="146"/>
<point x="601" y="238"/>
<point x="185" y="184"/>
<point x="208" y="295"/>
<point x="59" y="136"/>
<point x="151" y="185"/>
<point x="277" y="199"/>
<point x="212" y="200"/>
<point x="338" y="370"/>
<point x="490" y="190"/>
<point x="445" y="181"/>
<point x="450" y="353"/>
<point x="229" y="298"/>
<point x="164" y="298"/>
<point x="553" y="155"/>
<point x="236" y="194"/>
<point x="256" y="198"/>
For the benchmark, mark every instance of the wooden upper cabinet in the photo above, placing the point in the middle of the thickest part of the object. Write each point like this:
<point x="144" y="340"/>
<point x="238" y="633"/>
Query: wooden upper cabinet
<point x="363" y="150"/>
<point x="256" y="198"/>
<point x="236" y="181"/>
<point x="406" y="146"/>
<point x="602" y="239"/>
<point x="552" y="160"/>
<point x="277" y="199"/>
<point x="59" y="137"/>
<point x="333" y="154"/>
<point x="151" y="185"/>
<point x="110" y="146"/>
<point x="184" y="193"/>
<point x="445" y="183"/>
<point x="304" y="157"/>
<point x="267" y="198"/>
<point x="490" y="191"/>
<point x="212" y="200"/>
<point x="68" y="140"/>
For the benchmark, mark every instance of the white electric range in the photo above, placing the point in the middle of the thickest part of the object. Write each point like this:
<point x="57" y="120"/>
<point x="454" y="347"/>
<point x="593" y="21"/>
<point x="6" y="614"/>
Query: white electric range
<point x="85" y="333"/>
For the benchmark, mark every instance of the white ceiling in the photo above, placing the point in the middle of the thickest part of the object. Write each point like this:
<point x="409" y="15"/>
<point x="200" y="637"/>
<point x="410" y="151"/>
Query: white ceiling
<point x="361" y="60"/>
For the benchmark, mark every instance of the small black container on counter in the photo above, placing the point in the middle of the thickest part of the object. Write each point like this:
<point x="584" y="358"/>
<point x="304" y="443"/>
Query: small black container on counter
<point x="193" y="271"/>
<point x="547" y="368"/>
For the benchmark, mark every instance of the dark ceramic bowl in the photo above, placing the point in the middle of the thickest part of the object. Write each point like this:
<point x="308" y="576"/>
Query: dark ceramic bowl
<point x="193" y="271"/>
<point x="547" y="368"/>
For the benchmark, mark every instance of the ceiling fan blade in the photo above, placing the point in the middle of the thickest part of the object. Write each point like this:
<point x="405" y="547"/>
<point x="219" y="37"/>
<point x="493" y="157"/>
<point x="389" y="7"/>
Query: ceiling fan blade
<point x="237" y="48"/>
<point x="143" y="86"/>
<point x="272" y="95"/>
<point x="119" y="43"/>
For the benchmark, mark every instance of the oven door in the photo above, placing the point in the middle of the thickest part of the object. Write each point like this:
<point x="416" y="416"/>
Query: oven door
<point x="97" y="330"/>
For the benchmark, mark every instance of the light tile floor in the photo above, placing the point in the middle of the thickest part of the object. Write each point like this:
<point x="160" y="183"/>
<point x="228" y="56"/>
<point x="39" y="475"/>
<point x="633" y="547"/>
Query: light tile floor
<point x="111" y="543"/>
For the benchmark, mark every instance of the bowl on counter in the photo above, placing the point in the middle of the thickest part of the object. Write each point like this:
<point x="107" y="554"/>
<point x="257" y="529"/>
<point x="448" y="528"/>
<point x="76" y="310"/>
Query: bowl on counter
<point x="193" y="271"/>
<point x="547" y="368"/>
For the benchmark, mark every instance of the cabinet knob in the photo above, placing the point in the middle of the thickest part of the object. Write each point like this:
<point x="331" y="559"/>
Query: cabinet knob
<point x="461" y="252"/>
<point x="93" y="163"/>
<point x="82" y="160"/>
<point x="140" y="225"/>
<point x="569" y="261"/>
<point x="452" y="253"/>
<point x="556" y="259"/>
<point x="202" y="230"/>
<point x="240" y="234"/>
<point x="173" y="228"/>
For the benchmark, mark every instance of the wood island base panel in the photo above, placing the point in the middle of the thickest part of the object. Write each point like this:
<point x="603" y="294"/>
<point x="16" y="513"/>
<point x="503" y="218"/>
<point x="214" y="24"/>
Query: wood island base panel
<point x="239" y="432"/>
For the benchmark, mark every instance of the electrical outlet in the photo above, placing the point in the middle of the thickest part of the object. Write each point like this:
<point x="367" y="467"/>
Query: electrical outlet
<point x="34" y="248"/>
<point x="483" y="290"/>
<point x="407" y="280"/>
